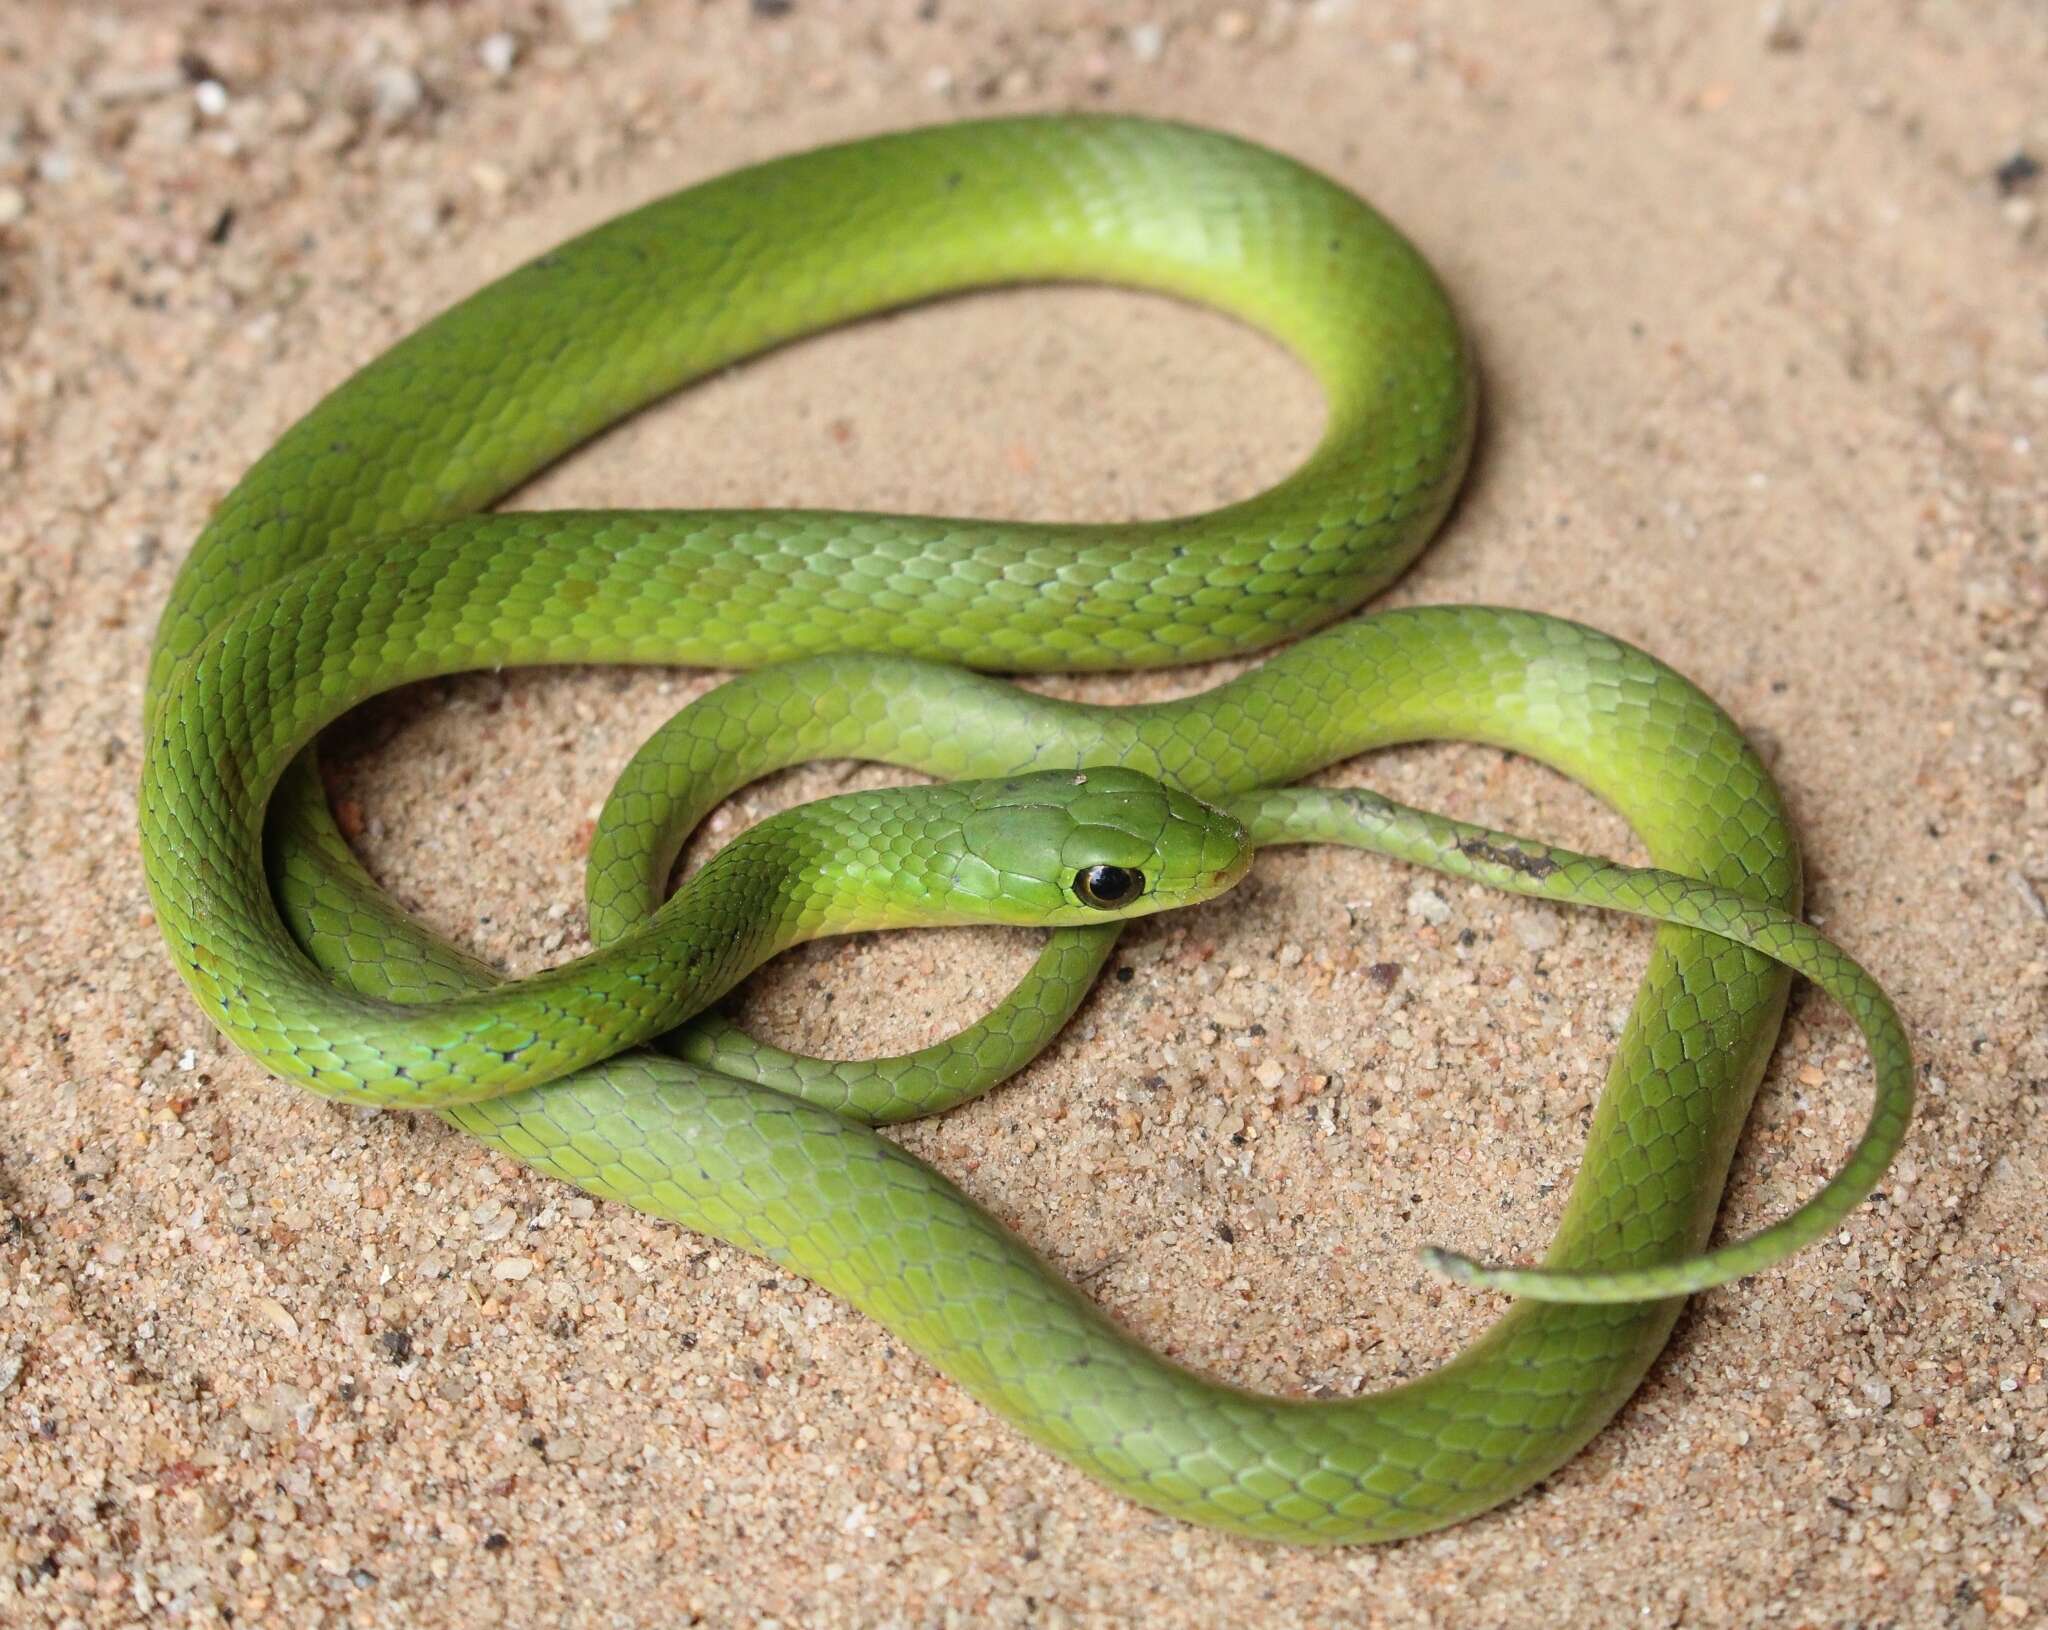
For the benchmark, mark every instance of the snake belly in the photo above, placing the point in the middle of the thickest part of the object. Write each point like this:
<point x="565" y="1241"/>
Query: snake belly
<point x="354" y="557"/>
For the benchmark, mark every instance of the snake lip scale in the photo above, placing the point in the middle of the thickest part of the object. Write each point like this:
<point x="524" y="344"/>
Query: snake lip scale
<point x="359" y="554"/>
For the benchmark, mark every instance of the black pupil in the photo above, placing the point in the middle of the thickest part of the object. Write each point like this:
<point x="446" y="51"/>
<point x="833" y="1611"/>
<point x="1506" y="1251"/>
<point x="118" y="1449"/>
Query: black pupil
<point x="1108" y="885"/>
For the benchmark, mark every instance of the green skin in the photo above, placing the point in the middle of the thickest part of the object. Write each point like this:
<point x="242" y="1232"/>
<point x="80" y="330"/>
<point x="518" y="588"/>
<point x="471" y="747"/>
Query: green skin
<point x="351" y="559"/>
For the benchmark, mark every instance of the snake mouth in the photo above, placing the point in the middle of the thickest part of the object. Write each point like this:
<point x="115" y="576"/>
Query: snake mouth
<point x="1228" y="877"/>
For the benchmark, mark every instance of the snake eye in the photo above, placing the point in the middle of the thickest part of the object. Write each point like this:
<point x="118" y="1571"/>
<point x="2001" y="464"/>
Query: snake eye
<point x="1108" y="887"/>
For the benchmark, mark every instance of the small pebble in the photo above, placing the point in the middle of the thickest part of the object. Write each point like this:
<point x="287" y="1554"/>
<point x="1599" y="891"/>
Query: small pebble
<point x="395" y="94"/>
<point x="331" y="132"/>
<point x="1781" y="32"/>
<point x="1537" y="930"/>
<point x="498" y="53"/>
<point x="261" y="1418"/>
<point x="1428" y="905"/>
<point x="590" y="21"/>
<point x="2019" y="170"/>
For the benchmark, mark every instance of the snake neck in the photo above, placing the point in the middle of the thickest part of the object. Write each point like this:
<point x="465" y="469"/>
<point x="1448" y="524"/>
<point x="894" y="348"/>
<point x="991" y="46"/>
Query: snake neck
<point x="850" y="864"/>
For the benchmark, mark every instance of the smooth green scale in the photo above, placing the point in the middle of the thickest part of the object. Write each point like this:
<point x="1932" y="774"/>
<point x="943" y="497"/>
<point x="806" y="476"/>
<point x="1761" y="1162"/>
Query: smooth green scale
<point x="351" y="558"/>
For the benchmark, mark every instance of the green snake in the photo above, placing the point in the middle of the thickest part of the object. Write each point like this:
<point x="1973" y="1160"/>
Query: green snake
<point x="353" y="557"/>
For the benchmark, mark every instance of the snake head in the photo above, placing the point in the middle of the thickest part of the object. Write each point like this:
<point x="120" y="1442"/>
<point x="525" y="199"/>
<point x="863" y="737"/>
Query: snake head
<point x="1054" y="849"/>
<point x="1068" y="847"/>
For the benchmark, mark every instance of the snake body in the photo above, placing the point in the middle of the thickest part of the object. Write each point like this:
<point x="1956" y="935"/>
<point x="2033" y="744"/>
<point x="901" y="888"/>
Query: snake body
<point x="353" y="557"/>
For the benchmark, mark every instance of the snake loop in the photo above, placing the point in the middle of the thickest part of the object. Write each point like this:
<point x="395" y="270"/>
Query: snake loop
<point x="354" y="557"/>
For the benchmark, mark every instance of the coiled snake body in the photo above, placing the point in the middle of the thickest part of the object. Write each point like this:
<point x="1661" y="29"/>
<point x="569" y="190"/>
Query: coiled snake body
<point x="353" y="557"/>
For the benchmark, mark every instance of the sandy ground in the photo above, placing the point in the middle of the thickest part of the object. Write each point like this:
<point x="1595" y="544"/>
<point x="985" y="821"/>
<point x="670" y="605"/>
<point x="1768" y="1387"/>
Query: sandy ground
<point x="1759" y="300"/>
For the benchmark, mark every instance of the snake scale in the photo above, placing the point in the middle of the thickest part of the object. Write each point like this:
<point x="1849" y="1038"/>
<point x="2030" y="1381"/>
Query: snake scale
<point x="354" y="556"/>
